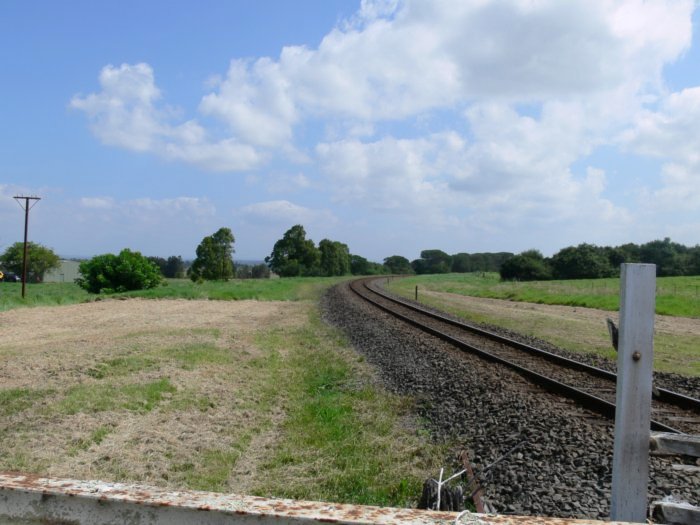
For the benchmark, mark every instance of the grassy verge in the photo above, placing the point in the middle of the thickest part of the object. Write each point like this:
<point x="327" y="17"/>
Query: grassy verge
<point x="287" y="289"/>
<point x="278" y="410"/>
<point x="344" y="438"/>
<point x="679" y="296"/>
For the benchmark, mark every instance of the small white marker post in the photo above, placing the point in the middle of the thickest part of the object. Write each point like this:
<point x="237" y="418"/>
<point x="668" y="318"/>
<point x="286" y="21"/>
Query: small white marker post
<point x="630" y="477"/>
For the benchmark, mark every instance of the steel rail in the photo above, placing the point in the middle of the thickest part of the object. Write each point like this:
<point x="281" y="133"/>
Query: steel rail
<point x="664" y="395"/>
<point x="587" y="400"/>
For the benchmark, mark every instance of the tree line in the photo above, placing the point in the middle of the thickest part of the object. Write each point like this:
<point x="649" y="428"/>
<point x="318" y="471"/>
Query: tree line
<point x="437" y="261"/>
<point x="294" y="255"/>
<point x="588" y="261"/>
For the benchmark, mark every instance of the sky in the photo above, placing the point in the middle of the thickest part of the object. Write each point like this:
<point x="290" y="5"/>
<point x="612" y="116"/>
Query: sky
<point x="392" y="126"/>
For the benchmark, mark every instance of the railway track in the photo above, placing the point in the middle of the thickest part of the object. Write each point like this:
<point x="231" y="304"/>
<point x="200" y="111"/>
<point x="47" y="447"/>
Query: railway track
<point x="589" y="386"/>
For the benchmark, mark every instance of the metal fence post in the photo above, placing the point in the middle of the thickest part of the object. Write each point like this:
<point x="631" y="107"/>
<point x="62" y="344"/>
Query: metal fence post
<point x="634" y="383"/>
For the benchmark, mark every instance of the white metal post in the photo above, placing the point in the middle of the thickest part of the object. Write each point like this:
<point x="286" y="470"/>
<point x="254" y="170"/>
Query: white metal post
<point x="634" y="383"/>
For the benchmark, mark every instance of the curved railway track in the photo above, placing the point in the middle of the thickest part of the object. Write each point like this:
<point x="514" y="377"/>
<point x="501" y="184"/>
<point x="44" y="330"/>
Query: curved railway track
<point x="589" y="386"/>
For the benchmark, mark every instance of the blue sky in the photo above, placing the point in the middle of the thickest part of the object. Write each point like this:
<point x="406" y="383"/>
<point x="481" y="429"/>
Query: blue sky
<point x="393" y="126"/>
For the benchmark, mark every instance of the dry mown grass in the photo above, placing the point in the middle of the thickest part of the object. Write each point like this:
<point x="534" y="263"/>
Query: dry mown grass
<point x="117" y="392"/>
<point x="194" y="394"/>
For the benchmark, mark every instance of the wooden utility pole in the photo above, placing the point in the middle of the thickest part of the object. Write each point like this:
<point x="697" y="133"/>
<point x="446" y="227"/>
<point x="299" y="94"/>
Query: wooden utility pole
<point x="630" y="476"/>
<point x="26" y="207"/>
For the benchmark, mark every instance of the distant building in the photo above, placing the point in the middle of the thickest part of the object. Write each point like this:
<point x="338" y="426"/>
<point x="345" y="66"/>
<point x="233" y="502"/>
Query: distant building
<point x="66" y="273"/>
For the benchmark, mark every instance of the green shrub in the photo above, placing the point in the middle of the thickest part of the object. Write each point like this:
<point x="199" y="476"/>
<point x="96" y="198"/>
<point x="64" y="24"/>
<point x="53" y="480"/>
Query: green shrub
<point x="111" y="273"/>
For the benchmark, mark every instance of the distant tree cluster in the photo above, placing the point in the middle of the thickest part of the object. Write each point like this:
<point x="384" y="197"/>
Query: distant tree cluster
<point x="398" y="265"/>
<point x="587" y="261"/>
<point x="173" y="267"/>
<point x="252" y="271"/>
<point x="39" y="260"/>
<point x="296" y="256"/>
<point x="361" y="266"/>
<point x="437" y="261"/>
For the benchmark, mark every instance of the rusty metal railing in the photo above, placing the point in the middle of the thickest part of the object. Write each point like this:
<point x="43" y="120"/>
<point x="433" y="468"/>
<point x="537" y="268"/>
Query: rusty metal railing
<point x="67" y="501"/>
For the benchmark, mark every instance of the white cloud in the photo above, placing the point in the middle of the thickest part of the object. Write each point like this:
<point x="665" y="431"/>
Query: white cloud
<point x="395" y="60"/>
<point x="285" y="213"/>
<point x="98" y="203"/>
<point x="386" y="175"/>
<point x="285" y="183"/>
<point x="442" y="113"/>
<point x="111" y="210"/>
<point x="192" y="206"/>
<point x="515" y="171"/>
<point x="254" y="100"/>
<point x="672" y="133"/>
<point x="124" y="113"/>
<point x="400" y="59"/>
<point x="672" y="130"/>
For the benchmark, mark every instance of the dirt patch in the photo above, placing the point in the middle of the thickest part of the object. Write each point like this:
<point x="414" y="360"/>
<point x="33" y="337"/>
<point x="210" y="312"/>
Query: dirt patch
<point x="663" y="323"/>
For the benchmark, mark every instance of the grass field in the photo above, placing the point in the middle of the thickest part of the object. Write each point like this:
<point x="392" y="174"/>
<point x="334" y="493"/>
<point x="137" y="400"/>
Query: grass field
<point x="579" y="323"/>
<point x="288" y="289"/>
<point x="678" y="296"/>
<point x="246" y="397"/>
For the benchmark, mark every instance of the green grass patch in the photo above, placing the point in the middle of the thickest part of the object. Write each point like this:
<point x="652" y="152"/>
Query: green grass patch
<point x="43" y="294"/>
<point x="95" y="438"/>
<point x="122" y="366"/>
<point x="344" y="439"/>
<point x="285" y="289"/>
<point x="188" y="399"/>
<point x="102" y="397"/>
<point x="191" y="355"/>
<point x="212" y="469"/>
<point x="677" y="296"/>
<point x="15" y="400"/>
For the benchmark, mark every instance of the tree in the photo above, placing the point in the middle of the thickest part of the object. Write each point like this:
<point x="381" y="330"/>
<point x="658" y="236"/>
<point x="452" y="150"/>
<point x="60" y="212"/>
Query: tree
<point x="214" y="260"/>
<point x="398" y="265"/>
<point x="335" y="258"/>
<point x="174" y="267"/>
<point x="294" y="254"/>
<point x="260" y="271"/>
<point x="461" y="263"/>
<point x="584" y="261"/>
<point x="669" y="257"/>
<point x="528" y="266"/>
<point x="432" y="261"/>
<point x="631" y="252"/>
<point x="361" y="266"/>
<point x="243" y="271"/>
<point x="159" y="262"/>
<point x="39" y="260"/>
<point x="111" y="273"/>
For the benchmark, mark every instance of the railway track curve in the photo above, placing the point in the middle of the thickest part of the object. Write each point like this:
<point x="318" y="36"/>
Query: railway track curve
<point x="591" y="387"/>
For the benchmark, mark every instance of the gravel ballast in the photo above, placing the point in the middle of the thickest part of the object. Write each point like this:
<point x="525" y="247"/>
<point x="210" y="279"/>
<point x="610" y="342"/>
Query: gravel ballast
<point x="563" y="466"/>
